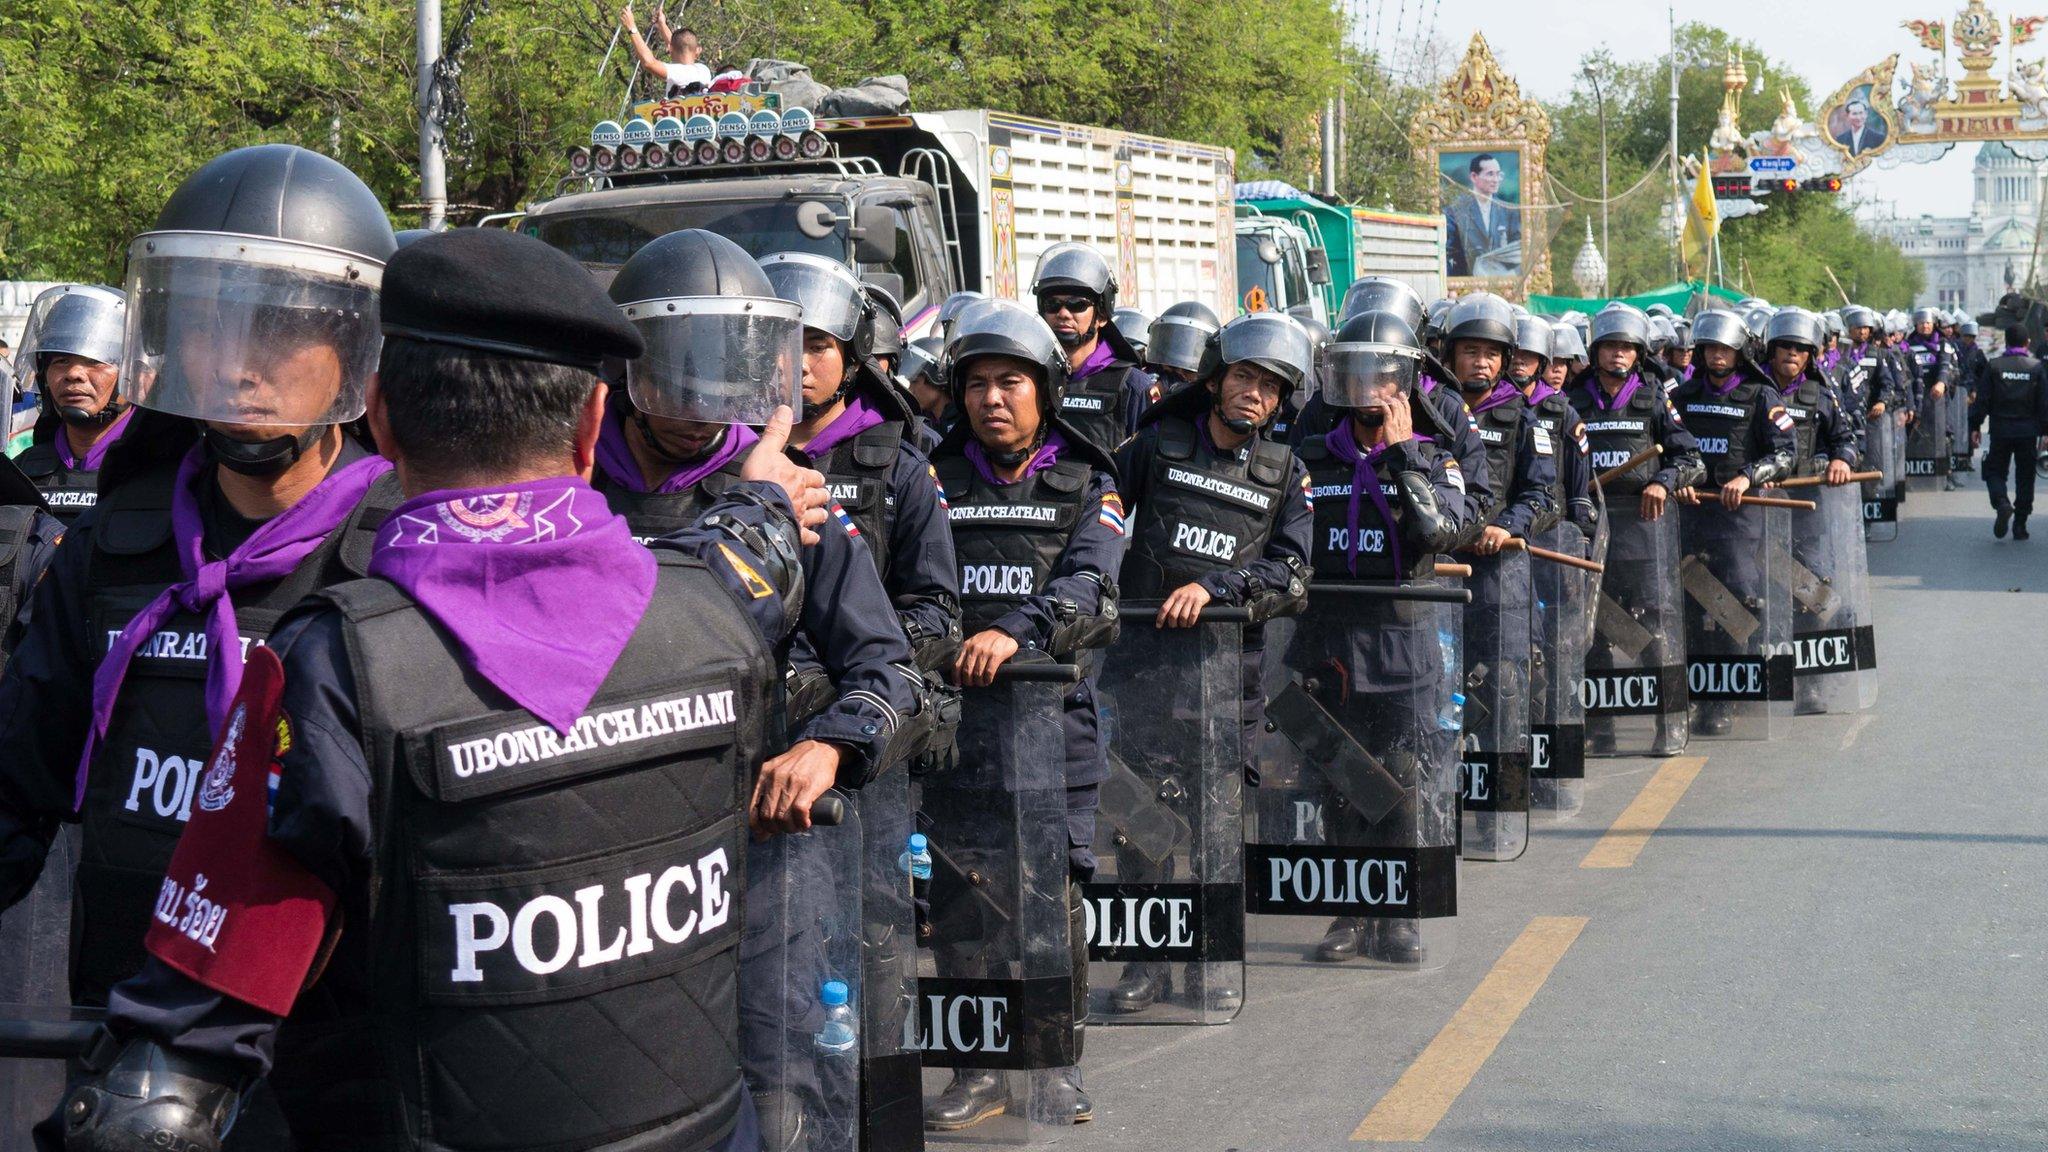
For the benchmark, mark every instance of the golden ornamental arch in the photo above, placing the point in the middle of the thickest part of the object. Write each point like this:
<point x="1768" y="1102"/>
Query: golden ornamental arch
<point x="1483" y="146"/>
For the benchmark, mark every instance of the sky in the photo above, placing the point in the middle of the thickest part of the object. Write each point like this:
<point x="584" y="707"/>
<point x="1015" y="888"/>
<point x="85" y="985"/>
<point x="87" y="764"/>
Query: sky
<point x="1540" y="42"/>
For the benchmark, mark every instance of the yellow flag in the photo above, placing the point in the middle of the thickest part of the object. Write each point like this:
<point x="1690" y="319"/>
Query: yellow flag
<point x="1702" y="221"/>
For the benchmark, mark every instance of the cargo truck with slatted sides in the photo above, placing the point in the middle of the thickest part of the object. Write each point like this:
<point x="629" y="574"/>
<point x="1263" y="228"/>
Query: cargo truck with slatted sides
<point x="922" y="204"/>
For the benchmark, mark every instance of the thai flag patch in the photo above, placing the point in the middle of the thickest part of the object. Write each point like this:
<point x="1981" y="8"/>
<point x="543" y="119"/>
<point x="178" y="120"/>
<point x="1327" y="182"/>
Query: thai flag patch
<point x="1781" y="419"/>
<point x="845" y="521"/>
<point x="939" y="486"/>
<point x="1112" y="516"/>
<point x="1579" y="436"/>
<point x="1308" y="492"/>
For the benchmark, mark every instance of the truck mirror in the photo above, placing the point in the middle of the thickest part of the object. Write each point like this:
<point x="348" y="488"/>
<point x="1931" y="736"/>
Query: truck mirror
<point x="816" y="219"/>
<point x="1318" y="266"/>
<point x="1269" y="251"/>
<point x="874" y="234"/>
<point x="889" y="282"/>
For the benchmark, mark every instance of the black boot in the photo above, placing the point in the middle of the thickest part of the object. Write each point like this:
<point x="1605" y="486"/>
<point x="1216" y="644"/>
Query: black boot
<point x="1058" y="1098"/>
<point x="1341" y="942"/>
<point x="1717" y="718"/>
<point x="2019" y="526"/>
<point x="1395" y="942"/>
<point x="1142" y="986"/>
<point x="1195" y="985"/>
<point x="973" y="1096"/>
<point x="2000" y="520"/>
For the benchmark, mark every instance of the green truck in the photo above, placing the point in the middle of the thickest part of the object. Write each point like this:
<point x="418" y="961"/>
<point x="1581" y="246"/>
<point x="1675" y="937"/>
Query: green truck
<point x="1306" y="234"/>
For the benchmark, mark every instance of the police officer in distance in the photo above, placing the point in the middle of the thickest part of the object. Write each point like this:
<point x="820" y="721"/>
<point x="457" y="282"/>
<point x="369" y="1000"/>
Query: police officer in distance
<point x="1567" y="356"/>
<point x="417" y="759"/>
<point x="1384" y="524"/>
<point x="1192" y="546"/>
<point x="1931" y="366"/>
<point x="2014" y="398"/>
<point x="1529" y="370"/>
<point x="28" y="538"/>
<point x="1746" y="441"/>
<point x="236" y="493"/>
<point x="1826" y="431"/>
<point x="1106" y="389"/>
<point x="1679" y="352"/>
<point x="72" y="345"/>
<point x="1014" y="450"/>
<point x="1479" y="334"/>
<point x="1136" y="327"/>
<point x="1180" y="347"/>
<point x="924" y="378"/>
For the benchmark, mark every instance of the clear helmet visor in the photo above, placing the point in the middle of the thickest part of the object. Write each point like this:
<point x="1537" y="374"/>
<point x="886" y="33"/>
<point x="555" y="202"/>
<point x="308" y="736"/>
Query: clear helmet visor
<point x="243" y="331"/>
<point x="83" y="320"/>
<point x="829" y="295"/>
<point x="1361" y="375"/>
<point x="1178" y="343"/>
<point x="717" y="359"/>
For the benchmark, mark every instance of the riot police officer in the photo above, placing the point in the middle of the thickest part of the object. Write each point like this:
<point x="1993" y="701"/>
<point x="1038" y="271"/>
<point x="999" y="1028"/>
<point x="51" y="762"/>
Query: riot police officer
<point x="1931" y="364"/>
<point x="2013" y="396"/>
<point x="72" y="348"/>
<point x="1530" y="367"/>
<point x="1679" y="352"/>
<point x="1626" y="416"/>
<point x="509" y="771"/>
<point x="1479" y="334"/>
<point x="1136" y="327"/>
<point x="28" y="538"/>
<point x="1039" y="529"/>
<point x="1567" y="356"/>
<point x="1106" y="389"/>
<point x="1746" y="441"/>
<point x="237" y="493"/>
<point x="1180" y="347"/>
<point x="1221" y="515"/>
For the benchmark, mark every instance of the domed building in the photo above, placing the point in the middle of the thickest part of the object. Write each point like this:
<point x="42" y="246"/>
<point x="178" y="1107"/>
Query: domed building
<point x="1973" y="260"/>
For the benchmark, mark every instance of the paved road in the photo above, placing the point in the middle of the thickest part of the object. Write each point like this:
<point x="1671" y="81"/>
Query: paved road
<point x="1834" y="941"/>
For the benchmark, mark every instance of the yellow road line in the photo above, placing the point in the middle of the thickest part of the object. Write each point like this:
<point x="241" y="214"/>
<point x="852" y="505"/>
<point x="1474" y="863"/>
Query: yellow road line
<point x="1417" y="1102"/>
<point x="1631" y="830"/>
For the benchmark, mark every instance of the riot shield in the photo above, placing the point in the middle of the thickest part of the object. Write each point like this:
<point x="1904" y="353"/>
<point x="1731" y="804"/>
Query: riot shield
<point x="1493" y="769"/>
<point x="35" y="959"/>
<point x="1958" y="415"/>
<point x="800" y="987"/>
<point x="1927" y="444"/>
<point x="1738" y="619"/>
<point x="1834" y="640"/>
<point x="1165" y="910"/>
<point x="1351" y="827"/>
<point x="891" y="1073"/>
<point x="1557" y="717"/>
<point x="997" y="991"/>
<point x="1881" y="496"/>
<point x="1634" y="690"/>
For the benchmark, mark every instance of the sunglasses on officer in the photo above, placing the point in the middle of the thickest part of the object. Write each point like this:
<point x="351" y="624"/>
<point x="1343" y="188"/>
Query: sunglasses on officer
<point x="1072" y="305"/>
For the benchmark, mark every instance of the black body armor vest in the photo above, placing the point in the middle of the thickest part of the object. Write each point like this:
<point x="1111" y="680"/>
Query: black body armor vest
<point x="1721" y="424"/>
<point x="1094" y="407"/>
<point x="654" y="514"/>
<point x="1500" y="429"/>
<point x="1554" y="415"/>
<point x="139" y="789"/>
<point x="1008" y="537"/>
<point x="70" y="491"/>
<point x="1204" y="511"/>
<point x="2012" y="382"/>
<point x="1803" y="407"/>
<point x="17" y="521"/>
<point x="551" y="954"/>
<point x="1329" y="478"/>
<point x="858" y="471"/>
<point x="1616" y="435"/>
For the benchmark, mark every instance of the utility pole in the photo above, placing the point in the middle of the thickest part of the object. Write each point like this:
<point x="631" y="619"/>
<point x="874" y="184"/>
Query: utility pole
<point x="1600" y="99"/>
<point x="1676" y="266"/>
<point x="433" y="154"/>
<point x="1330" y="146"/>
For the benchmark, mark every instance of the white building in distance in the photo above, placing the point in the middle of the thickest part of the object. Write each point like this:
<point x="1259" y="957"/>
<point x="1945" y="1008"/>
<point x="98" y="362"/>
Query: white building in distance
<point x="1973" y="260"/>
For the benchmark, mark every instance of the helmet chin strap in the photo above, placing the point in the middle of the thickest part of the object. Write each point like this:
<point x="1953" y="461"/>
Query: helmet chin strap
<point x="80" y="418"/>
<point x="825" y="405"/>
<point x="654" y="442"/>
<point x="1012" y="459"/>
<point x="260" y="457"/>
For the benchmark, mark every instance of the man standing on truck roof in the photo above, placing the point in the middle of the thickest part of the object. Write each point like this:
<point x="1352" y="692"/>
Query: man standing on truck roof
<point x="1106" y="390"/>
<point x="687" y="75"/>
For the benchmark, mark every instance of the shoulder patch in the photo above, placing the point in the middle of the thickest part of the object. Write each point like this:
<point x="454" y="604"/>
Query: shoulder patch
<point x="1112" y="515"/>
<point x="845" y="521"/>
<point x="751" y="580"/>
<point x="1453" y="473"/>
<point x="1308" y="491"/>
<point x="1540" y="437"/>
<point x="940" y="485"/>
<point x="1781" y="419"/>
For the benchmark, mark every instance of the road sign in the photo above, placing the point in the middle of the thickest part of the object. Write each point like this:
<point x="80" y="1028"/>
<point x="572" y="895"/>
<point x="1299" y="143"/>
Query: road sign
<point x="1772" y="163"/>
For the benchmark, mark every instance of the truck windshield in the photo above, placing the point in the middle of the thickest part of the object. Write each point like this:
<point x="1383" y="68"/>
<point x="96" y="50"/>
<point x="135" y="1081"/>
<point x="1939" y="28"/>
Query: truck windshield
<point x="1258" y="283"/>
<point x="610" y="237"/>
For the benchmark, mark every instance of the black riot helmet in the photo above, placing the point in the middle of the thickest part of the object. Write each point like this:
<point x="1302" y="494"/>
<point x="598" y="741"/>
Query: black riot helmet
<point x="1184" y="338"/>
<point x="885" y="321"/>
<point x="950" y="310"/>
<point x="1857" y="316"/>
<point x="264" y="261"/>
<point x="1566" y="343"/>
<point x="923" y="358"/>
<point x="1926" y="316"/>
<point x="1682" y="337"/>
<point x="1720" y="326"/>
<point x="85" y="320"/>
<point x="1075" y="267"/>
<point x="1533" y="335"/>
<point x="1383" y="294"/>
<point x="722" y="347"/>
<point x="1480" y="316"/>
<point x="1369" y="351"/>
<point x="1136" y="328"/>
<point x="1622" y="324"/>
<point x="833" y="303"/>
<point x="1662" y="333"/>
<point x="1007" y="328"/>
<point x="1795" y="326"/>
<point x="1274" y="341"/>
<point x="1967" y="328"/>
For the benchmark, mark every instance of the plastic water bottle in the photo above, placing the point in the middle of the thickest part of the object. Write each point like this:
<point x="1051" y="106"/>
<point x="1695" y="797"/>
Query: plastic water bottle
<point x="917" y="858"/>
<point x="841" y="1031"/>
<point x="1452" y="718"/>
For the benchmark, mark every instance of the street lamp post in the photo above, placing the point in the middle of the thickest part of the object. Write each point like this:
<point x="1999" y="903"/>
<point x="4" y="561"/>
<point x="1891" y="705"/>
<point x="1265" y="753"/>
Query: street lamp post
<point x="1600" y="98"/>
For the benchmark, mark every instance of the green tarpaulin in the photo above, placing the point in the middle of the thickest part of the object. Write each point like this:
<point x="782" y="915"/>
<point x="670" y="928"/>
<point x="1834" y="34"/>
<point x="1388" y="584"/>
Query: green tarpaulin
<point x="1673" y="296"/>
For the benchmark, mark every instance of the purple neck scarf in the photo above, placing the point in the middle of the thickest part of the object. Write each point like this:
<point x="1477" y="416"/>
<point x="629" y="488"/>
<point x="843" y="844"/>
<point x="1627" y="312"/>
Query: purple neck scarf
<point x="1425" y="383"/>
<point x="1101" y="358"/>
<point x="98" y="452"/>
<point x="615" y="458"/>
<point x="1503" y="391"/>
<point x="1621" y="398"/>
<point x="272" y="552"/>
<point x="540" y="584"/>
<point x="1048" y="454"/>
<point x="1364" y="478"/>
<point x="2015" y="352"/>
<point x="1540" y="392"/>
<point x="1721" y="391"/>
<point x="856" y="419"/>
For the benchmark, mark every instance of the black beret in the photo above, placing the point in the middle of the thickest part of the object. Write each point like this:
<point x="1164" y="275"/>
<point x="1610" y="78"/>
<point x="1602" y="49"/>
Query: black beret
<point x="503" y="292"/>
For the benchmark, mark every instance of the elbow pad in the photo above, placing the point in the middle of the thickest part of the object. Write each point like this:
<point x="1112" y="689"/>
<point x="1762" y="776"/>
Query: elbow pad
<point x="1074" y="629"/>
<point x="1267" y="603"/>
<point x="933" y="652"/>
<point x="914" y="734"/>
<point x="1431" y="525"/>
<point x="1688" y="472"/>
<point x="774" y="544"/>
<point x="149" y="1099"/>
<point x="806" y="692"/>
<point x="1768" y="469"/>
